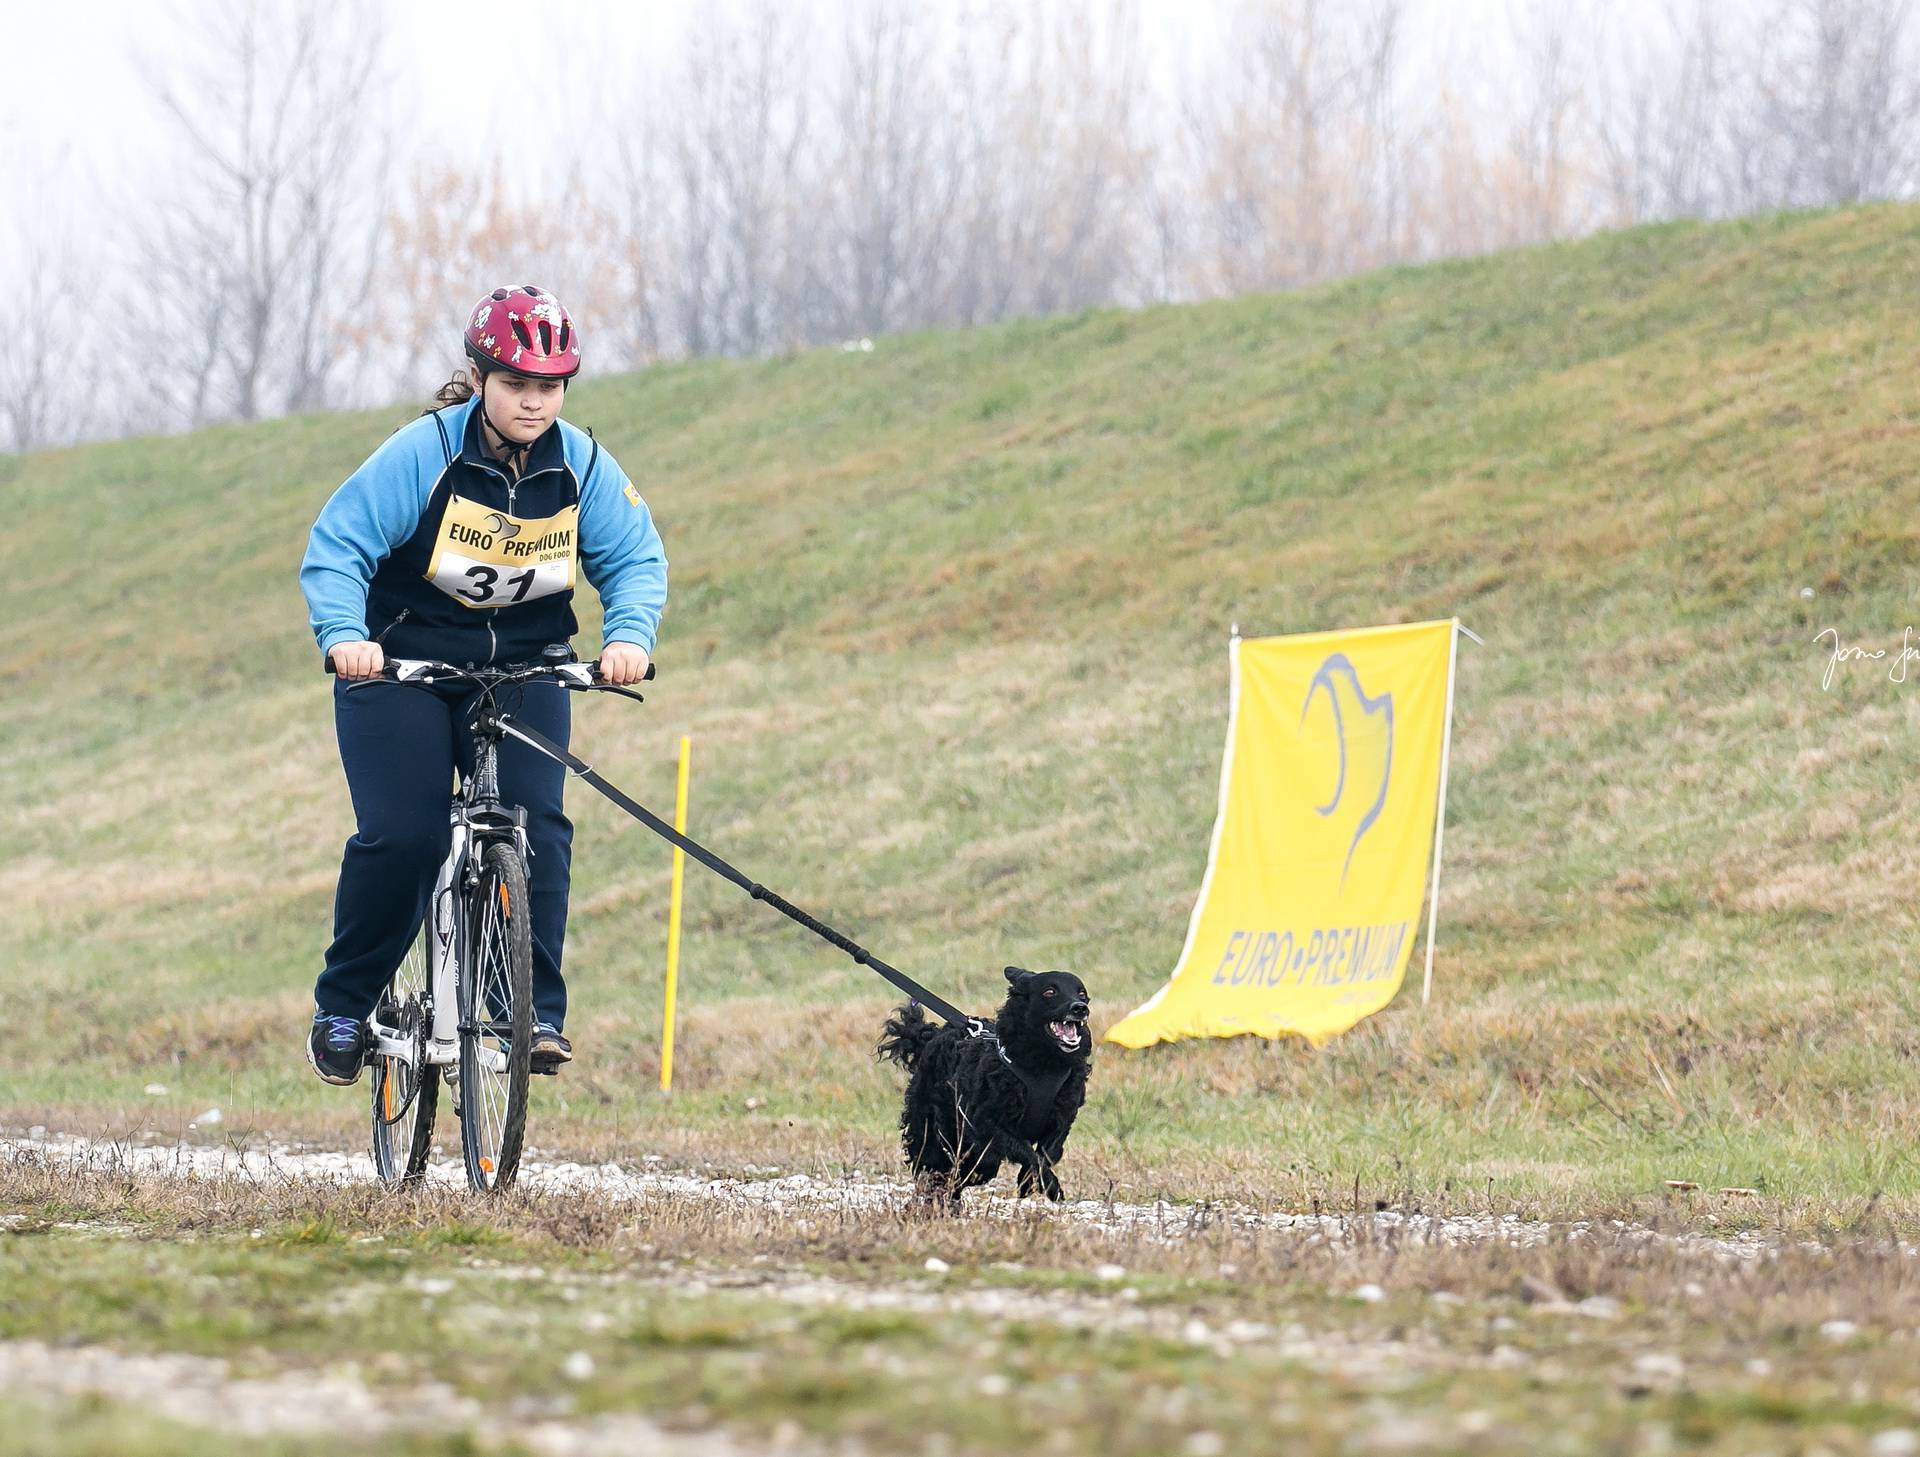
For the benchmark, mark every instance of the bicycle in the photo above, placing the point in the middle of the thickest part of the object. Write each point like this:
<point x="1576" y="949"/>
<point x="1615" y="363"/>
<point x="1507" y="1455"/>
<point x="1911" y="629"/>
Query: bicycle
<point x="460" y="1004"/>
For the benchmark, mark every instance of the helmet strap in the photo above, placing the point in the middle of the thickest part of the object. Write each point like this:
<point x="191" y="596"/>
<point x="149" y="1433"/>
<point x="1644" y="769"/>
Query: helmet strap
<point x="512" y="454"/>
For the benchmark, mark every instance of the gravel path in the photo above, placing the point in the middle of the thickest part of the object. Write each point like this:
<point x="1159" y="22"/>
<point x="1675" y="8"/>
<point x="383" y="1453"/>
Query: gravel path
<point x="784" y="1193"/>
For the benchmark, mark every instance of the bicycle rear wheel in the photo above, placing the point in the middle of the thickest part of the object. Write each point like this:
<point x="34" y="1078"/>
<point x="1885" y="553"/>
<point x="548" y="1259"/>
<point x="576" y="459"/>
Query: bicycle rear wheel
<point x="406" y="1096"/>
<point x="496" y="1020"/>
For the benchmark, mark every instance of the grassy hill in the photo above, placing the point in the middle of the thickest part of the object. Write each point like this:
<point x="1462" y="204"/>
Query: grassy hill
<point x="947" y="625"/>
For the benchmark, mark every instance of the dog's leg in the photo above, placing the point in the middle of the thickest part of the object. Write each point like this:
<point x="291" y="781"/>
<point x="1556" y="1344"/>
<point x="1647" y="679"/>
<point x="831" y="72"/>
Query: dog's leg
<point x="1052" y="1143"/>
<point x="974" y="1157"/>
<point x="933" y="1192"/>
<point x="1038" y="1176"/>
<point x="1050" y="1181"/>
<point x="1028" y="1182"/>
<point x="1049" y="1149"/>
<point x="976" y="1163"/>
<point x="1002" y="1144"/>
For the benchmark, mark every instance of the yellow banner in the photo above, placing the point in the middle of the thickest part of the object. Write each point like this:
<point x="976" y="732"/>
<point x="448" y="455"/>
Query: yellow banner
<point x="1314" y="884"/>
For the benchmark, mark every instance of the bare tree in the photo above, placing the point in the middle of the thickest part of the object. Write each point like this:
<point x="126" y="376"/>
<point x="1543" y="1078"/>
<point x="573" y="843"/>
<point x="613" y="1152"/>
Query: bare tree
<point x="181" y="283"/>
<point x="268" y="216"/>
<point x="51" y="390"/>
<point x="1294" y="142"/>
<point x="748" y="86"/>
<point x="39" y="384"/>
<point x="888" y="175"/>
<point x="1381" y="163"/>
<point x="1661" y="100"/>
<point x="1053" y="172"/>
<point x="459" y="231"/>
<point x="924" y="173"/>
<point x="642" y="270"/>
<point x="1838" y="87"/>
<point x="1804" y="103"/>
<point x="802" y="170"/>
<point x="661" y="260"/>
<point x="455" y="234"/>
<point x="708" y="174"/>
<point x="1546" y="123"/>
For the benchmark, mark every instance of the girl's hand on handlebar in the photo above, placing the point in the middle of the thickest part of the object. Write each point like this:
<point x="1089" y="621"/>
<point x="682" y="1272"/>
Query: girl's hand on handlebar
<point x="357" y="659"/>
<point x="621" y="663"/>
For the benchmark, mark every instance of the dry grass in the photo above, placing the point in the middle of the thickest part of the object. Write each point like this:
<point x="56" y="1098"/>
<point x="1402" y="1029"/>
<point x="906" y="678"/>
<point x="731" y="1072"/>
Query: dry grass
<point x="1589" y="1116"/>
<point x="1784" y="1288"/>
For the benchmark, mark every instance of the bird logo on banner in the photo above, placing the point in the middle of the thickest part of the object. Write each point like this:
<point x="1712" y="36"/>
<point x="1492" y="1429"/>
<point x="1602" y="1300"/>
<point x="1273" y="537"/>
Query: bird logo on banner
<point x="1336" y="668"/>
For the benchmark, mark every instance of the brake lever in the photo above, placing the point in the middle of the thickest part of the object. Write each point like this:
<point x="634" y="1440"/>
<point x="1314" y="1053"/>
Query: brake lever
<point x="602" y="687"/>
<point x="613" y="688"/>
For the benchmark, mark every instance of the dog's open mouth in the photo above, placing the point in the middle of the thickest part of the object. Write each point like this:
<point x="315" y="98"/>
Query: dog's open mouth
<point x="1068" y="1034"/>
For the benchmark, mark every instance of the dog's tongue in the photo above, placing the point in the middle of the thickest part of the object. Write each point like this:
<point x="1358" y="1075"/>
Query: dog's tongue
<point x="1066" y="1033"/>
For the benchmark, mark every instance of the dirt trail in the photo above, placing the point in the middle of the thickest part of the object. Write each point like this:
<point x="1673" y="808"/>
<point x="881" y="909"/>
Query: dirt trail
<point x="797" y="1194"/>
<point x="201" y="1391"/>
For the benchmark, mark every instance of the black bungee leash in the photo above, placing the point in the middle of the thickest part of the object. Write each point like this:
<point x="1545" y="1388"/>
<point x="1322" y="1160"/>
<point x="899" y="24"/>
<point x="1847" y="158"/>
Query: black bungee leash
<point x="945" y="1010"/>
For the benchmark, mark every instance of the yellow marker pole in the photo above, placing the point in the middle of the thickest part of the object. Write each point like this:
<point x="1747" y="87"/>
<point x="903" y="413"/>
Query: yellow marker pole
<point x="673" y="917"/>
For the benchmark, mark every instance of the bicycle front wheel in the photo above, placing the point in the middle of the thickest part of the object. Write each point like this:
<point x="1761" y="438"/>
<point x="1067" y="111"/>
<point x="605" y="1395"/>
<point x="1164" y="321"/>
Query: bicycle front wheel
<point x="496" y="1019"/>
<point x="406" y="1095"/>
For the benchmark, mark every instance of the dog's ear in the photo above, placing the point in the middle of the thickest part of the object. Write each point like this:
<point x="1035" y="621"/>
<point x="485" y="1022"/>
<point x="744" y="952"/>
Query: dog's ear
<point x="1016" y="975"/>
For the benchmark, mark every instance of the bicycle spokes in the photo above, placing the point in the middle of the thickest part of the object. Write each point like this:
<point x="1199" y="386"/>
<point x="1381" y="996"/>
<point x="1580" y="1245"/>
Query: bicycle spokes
<point x="406" y="1089"/>
<point x="498" y="1027"/>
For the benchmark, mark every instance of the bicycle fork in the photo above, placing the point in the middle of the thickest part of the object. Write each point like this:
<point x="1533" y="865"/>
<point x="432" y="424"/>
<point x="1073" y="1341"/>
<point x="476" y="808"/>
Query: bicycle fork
<point x="442" y="1042"/>
<point x="446" y="940"/>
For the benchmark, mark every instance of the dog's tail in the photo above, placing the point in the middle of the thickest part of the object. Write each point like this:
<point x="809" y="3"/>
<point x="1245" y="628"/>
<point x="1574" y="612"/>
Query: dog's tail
<point x="907" y="1034"/>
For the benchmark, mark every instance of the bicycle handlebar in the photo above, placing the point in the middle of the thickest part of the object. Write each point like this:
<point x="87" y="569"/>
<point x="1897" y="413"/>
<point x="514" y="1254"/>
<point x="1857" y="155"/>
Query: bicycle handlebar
<point x="429" y="670"/>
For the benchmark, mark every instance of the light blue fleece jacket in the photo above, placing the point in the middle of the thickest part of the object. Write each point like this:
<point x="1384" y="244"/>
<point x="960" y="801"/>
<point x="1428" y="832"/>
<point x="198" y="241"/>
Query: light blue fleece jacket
<point x="378" y="508"/>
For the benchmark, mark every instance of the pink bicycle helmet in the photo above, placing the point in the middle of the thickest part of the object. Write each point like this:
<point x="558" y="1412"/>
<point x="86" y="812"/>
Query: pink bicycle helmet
<point x="524" y="331"/>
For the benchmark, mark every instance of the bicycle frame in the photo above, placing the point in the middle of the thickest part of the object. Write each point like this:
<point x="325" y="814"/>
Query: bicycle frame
<point x="477" y="816"/>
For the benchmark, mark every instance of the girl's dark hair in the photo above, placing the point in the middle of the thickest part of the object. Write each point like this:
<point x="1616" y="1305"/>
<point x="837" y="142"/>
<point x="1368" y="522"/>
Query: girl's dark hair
<point x="456" y="391"/>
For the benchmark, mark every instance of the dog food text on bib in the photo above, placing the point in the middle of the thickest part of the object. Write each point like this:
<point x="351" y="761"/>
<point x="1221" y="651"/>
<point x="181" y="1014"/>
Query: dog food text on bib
<point x="486" y="558"/>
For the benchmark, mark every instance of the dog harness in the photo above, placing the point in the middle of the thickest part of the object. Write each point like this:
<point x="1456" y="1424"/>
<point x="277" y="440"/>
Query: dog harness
<point x="1041" y="1089"/>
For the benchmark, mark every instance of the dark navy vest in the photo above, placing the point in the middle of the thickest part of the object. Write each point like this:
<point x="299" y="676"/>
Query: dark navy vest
<point x="488" y="574"/>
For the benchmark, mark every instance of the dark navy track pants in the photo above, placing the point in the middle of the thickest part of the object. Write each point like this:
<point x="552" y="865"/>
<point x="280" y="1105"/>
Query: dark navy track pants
<point x="399" y="746"/>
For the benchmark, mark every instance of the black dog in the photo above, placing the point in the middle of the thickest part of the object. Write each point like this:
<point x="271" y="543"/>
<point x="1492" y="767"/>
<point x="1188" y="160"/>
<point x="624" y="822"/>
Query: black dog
<point x="1009" y="1094"/>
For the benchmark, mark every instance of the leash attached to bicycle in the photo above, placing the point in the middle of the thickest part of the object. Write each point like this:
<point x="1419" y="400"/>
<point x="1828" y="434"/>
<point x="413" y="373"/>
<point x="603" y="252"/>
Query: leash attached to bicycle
<point x="945" y="1010"/>
<point x="559" y="665"/>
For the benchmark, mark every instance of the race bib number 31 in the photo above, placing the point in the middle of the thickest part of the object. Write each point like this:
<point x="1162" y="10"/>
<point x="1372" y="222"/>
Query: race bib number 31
<point x="486" y="558"/>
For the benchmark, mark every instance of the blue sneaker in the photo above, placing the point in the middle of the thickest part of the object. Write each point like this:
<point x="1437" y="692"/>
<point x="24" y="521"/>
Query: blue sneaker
<point x="337" y="1048"/>
<point x="550" y="1049"/>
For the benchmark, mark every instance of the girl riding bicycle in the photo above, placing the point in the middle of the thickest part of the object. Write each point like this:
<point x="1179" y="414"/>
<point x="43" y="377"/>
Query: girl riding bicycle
<point x="458" y="540"/>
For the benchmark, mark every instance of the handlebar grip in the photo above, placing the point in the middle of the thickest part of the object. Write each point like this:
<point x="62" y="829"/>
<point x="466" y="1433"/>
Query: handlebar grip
<point x="646" y="677"/>
<point x="326" y="666"/>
